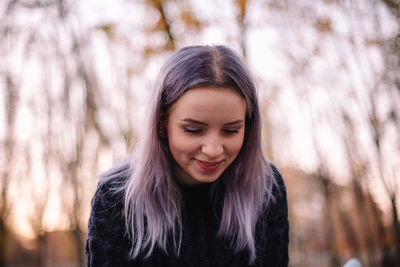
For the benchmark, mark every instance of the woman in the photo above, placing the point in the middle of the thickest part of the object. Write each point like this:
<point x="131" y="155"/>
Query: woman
<point x="197" y="190"/>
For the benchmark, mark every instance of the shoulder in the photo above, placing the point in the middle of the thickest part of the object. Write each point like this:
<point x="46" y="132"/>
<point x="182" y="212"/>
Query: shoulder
<point x="107" y="242"/>
<point x="111" y="188"/>
<point x="278" y="187"/>
<point x="272" y="232"/>
<point x="117" y="174"/>
<point x="275" y="194"/>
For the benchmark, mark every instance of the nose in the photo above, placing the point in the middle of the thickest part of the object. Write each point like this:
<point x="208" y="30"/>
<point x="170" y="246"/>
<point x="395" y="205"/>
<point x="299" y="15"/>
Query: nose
<point x="212" y="146"/>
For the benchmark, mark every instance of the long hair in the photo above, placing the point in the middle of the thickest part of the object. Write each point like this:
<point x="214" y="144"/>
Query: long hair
<point x="152" y="197"/>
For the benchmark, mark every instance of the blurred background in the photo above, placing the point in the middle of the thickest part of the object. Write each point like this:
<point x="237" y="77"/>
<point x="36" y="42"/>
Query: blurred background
<point x="74" y="76"/>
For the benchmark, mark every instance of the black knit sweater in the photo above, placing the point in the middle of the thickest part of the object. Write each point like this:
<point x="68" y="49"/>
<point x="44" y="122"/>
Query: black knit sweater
<point x="107" y="243"/>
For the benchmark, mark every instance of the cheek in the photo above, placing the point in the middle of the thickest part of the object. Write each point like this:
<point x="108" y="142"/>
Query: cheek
<point x="235" y="145"/>
<point x="178" y="144"/>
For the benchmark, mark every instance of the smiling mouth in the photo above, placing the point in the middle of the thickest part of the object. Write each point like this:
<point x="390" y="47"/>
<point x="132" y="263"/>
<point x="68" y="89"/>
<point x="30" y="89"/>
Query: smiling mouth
<point x="209" y="166"/>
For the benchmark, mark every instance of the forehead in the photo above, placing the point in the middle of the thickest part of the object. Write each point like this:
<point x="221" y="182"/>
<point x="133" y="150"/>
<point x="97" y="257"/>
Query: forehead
<point x="208" y="102"/>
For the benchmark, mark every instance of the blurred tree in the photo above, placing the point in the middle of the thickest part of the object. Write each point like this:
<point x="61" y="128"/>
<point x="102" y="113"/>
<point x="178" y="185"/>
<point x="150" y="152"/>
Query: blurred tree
<point x="164" y="23"/>
<point x="392" y="48"/>
<point x="8" y="151"/>
<point x="241" y="19"/>
<point x="321" y="36"/>
<point x="95" y="72"/>
<point x="8" y="143"/>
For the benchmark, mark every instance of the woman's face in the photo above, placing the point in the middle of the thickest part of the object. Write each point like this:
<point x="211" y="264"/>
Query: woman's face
<point x="205" y="129"/>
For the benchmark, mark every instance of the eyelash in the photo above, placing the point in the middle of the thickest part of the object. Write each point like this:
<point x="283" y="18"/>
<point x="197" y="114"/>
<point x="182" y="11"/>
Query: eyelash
<point x="192" y="131"/>
<point x="231" y="131"/>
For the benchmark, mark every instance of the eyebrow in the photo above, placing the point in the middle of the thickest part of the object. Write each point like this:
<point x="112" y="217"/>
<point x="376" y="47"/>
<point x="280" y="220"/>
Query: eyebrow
<point x="205" y="124"/>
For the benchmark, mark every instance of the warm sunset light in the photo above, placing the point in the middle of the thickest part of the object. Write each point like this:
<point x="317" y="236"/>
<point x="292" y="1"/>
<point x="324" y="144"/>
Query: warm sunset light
<point x="74" y="76"/>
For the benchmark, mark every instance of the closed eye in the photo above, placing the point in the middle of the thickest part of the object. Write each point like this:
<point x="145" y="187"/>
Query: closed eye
<point x="230" y="131"/>
<point x="193" y="130"/>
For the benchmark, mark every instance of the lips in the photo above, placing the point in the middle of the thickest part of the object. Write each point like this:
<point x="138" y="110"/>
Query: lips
<point x="209" y="166"/>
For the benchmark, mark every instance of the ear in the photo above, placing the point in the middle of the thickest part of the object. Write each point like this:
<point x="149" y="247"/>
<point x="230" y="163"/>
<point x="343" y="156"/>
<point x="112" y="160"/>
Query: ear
<point x="163" y="119"/>
<point x="162" y="126"/>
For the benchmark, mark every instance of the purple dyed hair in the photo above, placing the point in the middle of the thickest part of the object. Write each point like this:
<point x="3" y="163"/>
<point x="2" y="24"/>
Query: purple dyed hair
<point x="152" y="198"/>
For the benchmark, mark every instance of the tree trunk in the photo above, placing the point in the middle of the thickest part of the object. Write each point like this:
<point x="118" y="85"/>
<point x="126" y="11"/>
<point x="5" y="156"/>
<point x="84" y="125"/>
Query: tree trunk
<point x="396" y="229"/>
<point x="41" y="250"/>
<point x="330" y="234"/>
<point x="3" y="242"/>
<point x="365" y="223"/>
<point x="80" y="248"/>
